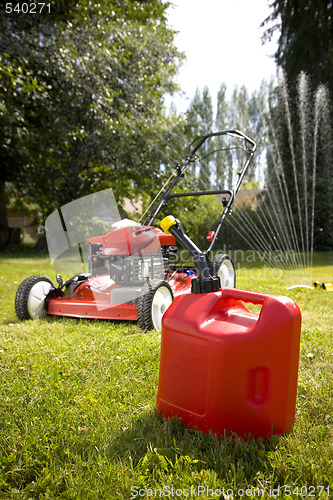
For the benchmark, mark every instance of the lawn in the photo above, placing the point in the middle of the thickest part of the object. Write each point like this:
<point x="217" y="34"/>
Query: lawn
<point x="78" y="418"/>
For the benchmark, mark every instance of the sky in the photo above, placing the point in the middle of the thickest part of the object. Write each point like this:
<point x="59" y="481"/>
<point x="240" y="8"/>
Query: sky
<point x="222" y="43"/>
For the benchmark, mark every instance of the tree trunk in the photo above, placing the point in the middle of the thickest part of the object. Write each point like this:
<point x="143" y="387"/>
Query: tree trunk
<point x="3" y="216"/>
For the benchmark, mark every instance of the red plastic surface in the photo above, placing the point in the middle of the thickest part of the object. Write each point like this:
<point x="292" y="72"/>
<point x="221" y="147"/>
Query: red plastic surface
<point x="228" y="370"/>
<point x="210" y="236"/>
<point x="92" y="310"/>
<point x="92" y="299"/>
<point x="133" y="240"/>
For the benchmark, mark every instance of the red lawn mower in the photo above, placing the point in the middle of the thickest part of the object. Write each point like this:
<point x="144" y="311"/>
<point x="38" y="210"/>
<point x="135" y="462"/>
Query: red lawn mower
<point x="125" y="270"/>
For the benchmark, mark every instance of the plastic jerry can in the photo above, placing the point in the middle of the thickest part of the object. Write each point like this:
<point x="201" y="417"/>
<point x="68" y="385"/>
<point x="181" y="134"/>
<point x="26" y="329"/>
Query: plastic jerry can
<point x="227" y="370"/>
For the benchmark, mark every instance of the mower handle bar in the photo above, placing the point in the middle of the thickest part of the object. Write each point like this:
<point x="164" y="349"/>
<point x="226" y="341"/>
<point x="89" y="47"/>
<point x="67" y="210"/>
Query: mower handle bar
<point x="200" y="140"/>
<point x="181" y="170"/>
<point x="240" y="174"/>
<point x="199" y="258"/>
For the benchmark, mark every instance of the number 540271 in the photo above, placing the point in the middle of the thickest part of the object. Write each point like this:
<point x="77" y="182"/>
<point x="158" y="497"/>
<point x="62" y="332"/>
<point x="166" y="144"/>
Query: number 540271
<point x="27" y="8"/>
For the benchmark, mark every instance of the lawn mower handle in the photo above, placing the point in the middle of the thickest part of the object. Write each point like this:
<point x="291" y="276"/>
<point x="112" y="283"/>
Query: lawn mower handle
<point x="233" y="132"/>
<point x="181" y="171"/>
<point x="204" y="283"/>
<point x="173" y="226"/>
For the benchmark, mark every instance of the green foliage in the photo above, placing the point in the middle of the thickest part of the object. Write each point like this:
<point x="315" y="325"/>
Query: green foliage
<point x="305" y="49"/>
<point x="292" y="129"/>
<point x="199" y="116"/>
<point x="199" y="215"/>
<point x="78" y="418"/>
<point x="305" y="39"/>
<point x="82" y="100"/>
<point x="242" y="112"/>
<point x="299" y="167"/>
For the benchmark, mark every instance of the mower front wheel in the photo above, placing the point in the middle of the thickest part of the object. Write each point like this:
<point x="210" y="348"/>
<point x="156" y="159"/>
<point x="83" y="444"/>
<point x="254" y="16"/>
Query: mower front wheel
<point x="223" y="267"/>
<point x="155" y="298"/>
<point x="30" y="297"/>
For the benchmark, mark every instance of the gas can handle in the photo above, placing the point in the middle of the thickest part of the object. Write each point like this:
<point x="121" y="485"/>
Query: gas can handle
<point x="244" y="295"/>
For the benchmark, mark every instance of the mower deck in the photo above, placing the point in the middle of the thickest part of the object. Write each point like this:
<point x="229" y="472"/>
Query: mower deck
<point x="75" y="308"/>
<point x="92" y="299"/>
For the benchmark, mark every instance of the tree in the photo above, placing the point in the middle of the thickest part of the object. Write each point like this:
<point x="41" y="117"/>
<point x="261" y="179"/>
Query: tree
<point x="301" y="134"/>
<point x="303" y="112"/>
<point x="241" y="111"/>
<point x="20" y="91"/>
<point x="223" y="162"/>
<point x="82" y="100"/>
<point x="199" y="121"/>
<point x="305" y="42"/>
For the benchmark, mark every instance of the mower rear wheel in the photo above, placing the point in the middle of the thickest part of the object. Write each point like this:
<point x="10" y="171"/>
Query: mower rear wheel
<point x="155" y="298"/>
<point x="30" y="297"/>
<point x="223" y="267"/>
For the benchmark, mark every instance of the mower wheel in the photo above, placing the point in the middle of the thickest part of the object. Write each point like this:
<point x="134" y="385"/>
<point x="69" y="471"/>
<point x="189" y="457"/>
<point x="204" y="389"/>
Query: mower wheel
<point x="223" y="267"/>
<point x="30" y="297"/>
<point x="154" y="300"/>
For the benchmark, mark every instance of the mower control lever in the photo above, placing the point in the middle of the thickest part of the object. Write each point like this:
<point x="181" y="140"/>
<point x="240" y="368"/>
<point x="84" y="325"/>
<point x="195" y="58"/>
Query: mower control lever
<point x="204" y="283"/>
<point x="60" y="281"/>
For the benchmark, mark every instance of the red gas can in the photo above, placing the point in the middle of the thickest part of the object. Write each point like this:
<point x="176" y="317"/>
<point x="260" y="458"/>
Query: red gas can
<point x="226" y="369"/>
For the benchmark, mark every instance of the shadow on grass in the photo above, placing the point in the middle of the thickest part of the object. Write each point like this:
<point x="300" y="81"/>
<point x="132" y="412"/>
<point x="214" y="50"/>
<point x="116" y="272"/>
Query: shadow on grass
<point x="111" y="323"/>
<point x="150" y="438"/>
<point x="74" y="321"/>
<point x="22" y="251"/>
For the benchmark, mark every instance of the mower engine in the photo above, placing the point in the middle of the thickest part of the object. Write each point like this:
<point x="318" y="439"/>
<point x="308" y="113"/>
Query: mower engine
<point x="131" y="255"/>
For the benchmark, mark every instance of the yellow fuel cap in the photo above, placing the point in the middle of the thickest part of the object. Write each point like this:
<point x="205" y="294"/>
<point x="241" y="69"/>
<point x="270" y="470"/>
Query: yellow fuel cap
<point x="167" y="222"/>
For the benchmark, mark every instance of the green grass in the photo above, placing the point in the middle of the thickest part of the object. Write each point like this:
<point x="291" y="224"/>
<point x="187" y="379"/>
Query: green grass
<point x="78" y="418"/>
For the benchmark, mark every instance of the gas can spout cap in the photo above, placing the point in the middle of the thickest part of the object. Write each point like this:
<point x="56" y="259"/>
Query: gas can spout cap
<point x="168" y="222"/>
<point x="207" y="285"/>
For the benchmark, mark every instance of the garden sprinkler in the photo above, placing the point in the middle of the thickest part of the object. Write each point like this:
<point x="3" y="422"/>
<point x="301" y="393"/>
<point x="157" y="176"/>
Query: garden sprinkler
<point x="324" y="286"/>
<point x="316" y="284"/>
<point x="299" y="286"/>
